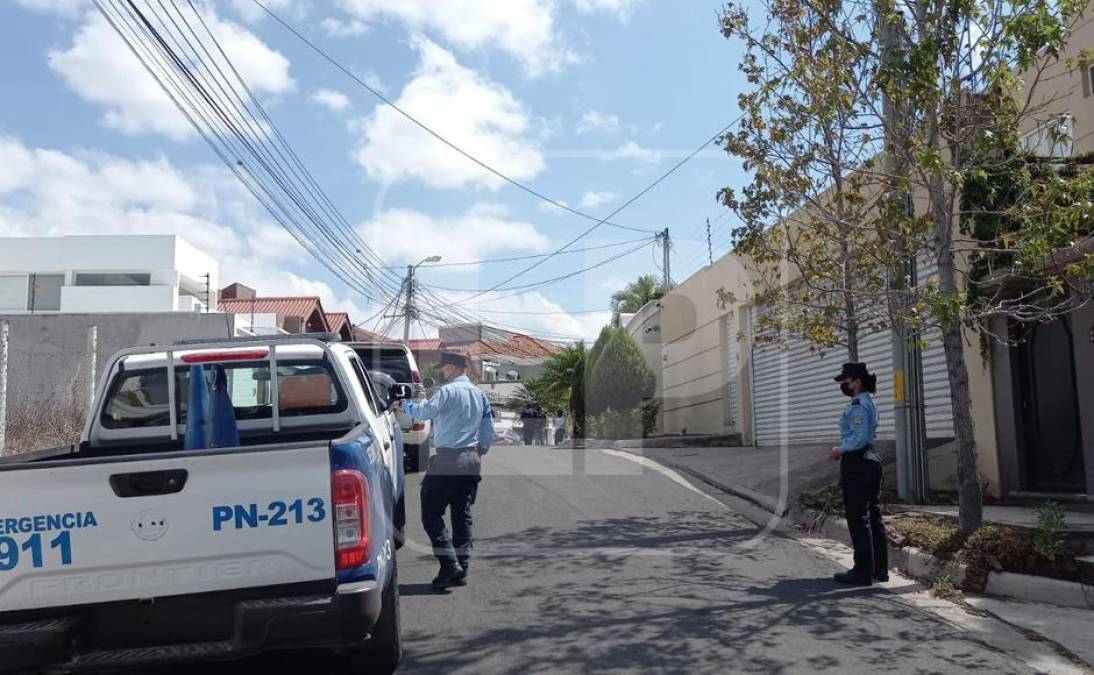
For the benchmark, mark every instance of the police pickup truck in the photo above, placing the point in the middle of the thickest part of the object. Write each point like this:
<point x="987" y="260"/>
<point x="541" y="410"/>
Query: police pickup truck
<point x="227" y="498"/>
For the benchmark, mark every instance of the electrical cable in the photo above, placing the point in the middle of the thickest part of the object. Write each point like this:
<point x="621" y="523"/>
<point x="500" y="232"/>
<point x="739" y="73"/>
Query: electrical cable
<point x="372" y="90"/>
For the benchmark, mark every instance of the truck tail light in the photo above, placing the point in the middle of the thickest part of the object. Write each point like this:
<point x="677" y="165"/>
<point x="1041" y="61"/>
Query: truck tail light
<point x="351" y="518"/>
<point x="415" y="377"/>
<point x="418" y="426"/>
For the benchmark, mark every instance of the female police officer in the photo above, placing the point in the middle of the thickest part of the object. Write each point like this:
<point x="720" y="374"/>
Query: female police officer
<point x="860" y="477"/>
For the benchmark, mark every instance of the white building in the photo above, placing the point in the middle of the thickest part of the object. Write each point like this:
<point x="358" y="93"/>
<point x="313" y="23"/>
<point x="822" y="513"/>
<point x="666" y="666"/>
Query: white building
<point x="99" y="274"/>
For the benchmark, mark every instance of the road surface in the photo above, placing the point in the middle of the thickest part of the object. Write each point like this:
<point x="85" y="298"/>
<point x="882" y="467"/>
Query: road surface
<point x="588" y="561"/>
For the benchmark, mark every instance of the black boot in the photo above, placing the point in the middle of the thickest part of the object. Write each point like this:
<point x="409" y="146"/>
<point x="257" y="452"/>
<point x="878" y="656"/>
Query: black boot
<point x="449" y="577"/>
<point x="851" y="578"/>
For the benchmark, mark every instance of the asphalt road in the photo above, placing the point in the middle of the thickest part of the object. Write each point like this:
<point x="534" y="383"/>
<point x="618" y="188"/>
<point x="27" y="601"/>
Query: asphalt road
<point x="591" y="562"/>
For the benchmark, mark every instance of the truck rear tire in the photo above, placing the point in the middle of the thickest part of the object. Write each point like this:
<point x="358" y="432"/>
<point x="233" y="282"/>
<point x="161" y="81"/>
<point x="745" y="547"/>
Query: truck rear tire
<point x="384" y="650"/>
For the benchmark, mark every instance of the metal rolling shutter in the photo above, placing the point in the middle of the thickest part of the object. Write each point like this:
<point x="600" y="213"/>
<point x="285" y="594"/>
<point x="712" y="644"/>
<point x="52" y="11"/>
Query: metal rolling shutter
<point x="796" y="401"/>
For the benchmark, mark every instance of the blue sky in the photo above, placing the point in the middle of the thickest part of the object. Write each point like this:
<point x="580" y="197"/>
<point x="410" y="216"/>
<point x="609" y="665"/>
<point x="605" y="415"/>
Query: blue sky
<point x="585" y="100"/>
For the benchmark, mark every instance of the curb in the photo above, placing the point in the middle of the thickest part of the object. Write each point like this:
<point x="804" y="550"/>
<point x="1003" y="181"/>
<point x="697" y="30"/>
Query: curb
<point x="1039" y="589"/>
<point x="747" y="494"/>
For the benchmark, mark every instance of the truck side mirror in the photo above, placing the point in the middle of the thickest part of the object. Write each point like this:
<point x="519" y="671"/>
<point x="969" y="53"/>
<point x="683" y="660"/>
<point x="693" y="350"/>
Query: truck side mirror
<point x="401" y="392"/>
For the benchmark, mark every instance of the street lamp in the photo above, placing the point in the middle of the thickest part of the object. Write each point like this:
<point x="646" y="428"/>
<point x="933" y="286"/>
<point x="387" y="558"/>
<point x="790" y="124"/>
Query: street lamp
<point x="408" y="309"/>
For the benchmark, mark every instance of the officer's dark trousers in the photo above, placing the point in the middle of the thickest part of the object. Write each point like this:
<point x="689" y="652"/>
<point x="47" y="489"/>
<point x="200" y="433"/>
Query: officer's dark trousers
<point x="444" y="488"/>
<point x="861" y="481"/>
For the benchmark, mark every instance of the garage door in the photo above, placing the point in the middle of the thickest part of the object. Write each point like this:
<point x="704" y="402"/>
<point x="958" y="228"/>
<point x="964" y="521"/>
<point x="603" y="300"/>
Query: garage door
<point x="796" y="401"/>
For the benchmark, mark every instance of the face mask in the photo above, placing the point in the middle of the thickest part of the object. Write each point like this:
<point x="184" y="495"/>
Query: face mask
<point x="846" y="389"/>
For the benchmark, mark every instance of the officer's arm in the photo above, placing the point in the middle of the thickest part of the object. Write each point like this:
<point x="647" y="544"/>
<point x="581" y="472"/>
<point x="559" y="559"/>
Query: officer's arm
<point x="486" y="427"/>
<point x="857" y="440"/>
<point x="425" y="410"/>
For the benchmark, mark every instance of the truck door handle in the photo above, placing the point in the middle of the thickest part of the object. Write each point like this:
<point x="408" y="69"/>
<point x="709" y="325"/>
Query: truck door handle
<point x="149" y="483"/>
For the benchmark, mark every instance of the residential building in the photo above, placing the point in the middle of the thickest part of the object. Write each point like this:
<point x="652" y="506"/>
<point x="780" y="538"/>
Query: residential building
<point x="339" y="322"/>
<point x="272" y="315"/>
<point x="105" y="274"/>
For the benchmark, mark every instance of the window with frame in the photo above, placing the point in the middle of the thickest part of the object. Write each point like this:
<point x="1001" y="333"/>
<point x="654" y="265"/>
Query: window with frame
<point x="13" y="292"/>
<point x="139" y="398"/>
<point x="113" y="279"/>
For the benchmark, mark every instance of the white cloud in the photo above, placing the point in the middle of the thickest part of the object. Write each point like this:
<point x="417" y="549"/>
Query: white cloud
<point x="632" y="151"/>
<point x="485" y="229"/>
<point x="372" y="79"/>
<point x="532" y="312"/>
<point x="332" y="100"/>
<point x="620" y="8"/>
<point x="343" y="28"/>
<point x="523" y="28"/>
<point x="45" y="192"/>
<point x="548" y="207"/>
<point x="99" y="67"/>
<point x="593" y="121"/>
<point x="477" y="114"/>
<point x="591" y="200"/>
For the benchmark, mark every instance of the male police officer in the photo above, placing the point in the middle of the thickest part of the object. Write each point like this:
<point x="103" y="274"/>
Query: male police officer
<point x="463" y="428"/>
<point x="860" y="477"/>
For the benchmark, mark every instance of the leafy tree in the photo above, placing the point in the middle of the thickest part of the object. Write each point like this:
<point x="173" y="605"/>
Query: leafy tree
<point x="591" y="404"/>
<point x="807" y="137"/>
<point x="946" y="85"/>
<point x="564" y="374"/>
<point x="619" y="379"/>
<point x="637" y="293"/>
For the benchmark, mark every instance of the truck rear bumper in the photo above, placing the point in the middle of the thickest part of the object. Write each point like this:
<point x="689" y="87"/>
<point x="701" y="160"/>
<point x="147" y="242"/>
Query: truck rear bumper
<point x="76" y="641"/>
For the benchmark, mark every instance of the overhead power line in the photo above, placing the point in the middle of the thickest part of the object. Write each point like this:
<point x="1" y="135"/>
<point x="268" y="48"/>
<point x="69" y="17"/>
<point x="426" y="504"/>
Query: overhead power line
<point x="378" y="94"/>
<point x="470" y="263"/>
<point x="641" y="193"/>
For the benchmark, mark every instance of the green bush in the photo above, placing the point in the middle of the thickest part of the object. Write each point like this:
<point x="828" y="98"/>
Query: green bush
<point x="618" y="378"/>
<point x="590" y="361"/>
<point x="1050" y="537"/>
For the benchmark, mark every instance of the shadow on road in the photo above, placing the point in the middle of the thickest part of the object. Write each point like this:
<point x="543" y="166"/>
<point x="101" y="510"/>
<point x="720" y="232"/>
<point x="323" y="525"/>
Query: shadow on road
<point x="605" y="595"/>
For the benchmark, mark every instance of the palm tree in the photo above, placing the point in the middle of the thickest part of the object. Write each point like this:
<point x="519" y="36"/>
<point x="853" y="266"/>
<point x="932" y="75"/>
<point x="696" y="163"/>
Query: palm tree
<point x="564" y="378"/>
<point x="637" y="293"/>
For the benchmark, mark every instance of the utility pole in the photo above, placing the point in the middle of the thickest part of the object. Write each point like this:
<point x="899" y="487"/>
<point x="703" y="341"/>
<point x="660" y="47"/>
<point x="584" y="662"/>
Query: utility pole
<point x="666" y="246"/>
<point x="410" y="312"/>
<point x="408" y="305"/>
<point x="908" y="413"/>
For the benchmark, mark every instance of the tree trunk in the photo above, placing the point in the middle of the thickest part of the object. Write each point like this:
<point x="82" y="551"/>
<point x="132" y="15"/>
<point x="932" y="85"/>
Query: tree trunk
<point x="970" y="507"/>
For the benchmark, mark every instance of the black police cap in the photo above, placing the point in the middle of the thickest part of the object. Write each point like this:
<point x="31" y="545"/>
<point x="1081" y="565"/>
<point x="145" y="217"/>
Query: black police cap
<point x="855" y="371"/>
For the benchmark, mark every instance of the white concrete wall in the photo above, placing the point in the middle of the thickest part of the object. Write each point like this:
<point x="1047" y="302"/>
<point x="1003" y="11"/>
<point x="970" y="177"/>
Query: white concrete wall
<point x="95" y="299"/>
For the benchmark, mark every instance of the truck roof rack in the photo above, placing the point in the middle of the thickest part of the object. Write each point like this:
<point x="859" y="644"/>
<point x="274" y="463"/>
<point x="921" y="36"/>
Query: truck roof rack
<point x="322" y="337"/>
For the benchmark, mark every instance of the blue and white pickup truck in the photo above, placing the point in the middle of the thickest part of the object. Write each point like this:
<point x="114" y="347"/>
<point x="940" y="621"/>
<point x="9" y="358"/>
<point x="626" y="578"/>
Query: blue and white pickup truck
<point x="147" y="544"/>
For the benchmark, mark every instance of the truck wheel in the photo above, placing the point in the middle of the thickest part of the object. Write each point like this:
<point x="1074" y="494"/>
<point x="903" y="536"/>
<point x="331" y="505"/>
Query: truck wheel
<point x="400" y="523"/>
<point x="384" y="650"/>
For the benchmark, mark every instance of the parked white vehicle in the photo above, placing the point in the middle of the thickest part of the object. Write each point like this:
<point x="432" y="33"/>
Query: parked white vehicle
<point x="135" y="549"/>
<point x="397" y="361"/>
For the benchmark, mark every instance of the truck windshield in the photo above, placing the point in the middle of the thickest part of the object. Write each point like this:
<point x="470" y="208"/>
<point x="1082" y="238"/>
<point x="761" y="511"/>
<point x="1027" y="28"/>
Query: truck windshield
<point x="393" y="362"/>
<point x="138" y="398"/>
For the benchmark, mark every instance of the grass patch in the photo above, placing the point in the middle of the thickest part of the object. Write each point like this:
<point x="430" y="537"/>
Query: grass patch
<point x="992" y="547"/>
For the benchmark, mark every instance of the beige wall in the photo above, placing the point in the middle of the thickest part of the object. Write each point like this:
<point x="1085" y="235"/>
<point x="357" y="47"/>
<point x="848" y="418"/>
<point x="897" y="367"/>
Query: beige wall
<point x="693" y="350"/>
<point x="1060" y="88"/>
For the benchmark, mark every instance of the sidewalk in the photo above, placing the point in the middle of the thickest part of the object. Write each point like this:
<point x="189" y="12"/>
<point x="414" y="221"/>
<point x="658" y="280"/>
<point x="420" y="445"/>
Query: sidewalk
<point x="757" y="475"/>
